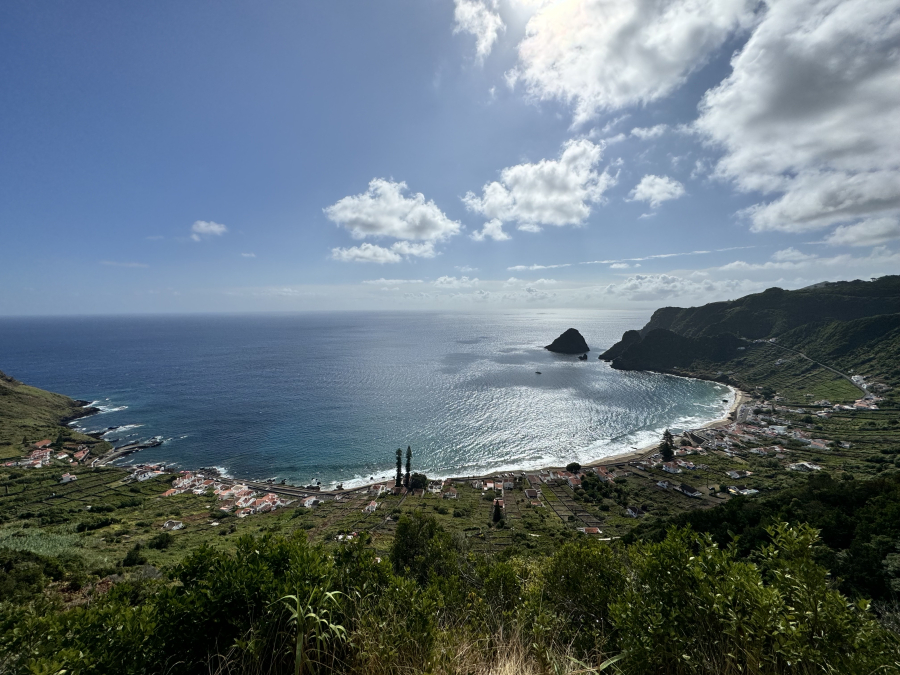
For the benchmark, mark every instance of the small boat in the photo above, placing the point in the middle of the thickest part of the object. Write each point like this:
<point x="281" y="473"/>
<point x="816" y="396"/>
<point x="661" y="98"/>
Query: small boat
<point x="583" y="357"/>
<point x="537" y="372"/>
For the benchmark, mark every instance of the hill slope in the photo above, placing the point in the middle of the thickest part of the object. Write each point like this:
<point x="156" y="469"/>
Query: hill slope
<point x="29" y="414"/>
<point x="799" y="341"/>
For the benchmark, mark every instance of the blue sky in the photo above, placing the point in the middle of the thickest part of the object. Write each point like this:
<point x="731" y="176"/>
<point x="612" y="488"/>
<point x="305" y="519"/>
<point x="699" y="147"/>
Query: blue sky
<point x="427" y="154"/>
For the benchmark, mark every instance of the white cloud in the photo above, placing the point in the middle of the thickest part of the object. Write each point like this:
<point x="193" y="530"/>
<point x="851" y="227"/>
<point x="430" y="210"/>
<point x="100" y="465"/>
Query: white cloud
<point x="836" y="267"/>
<point x="532" y="268"/>
<point x="608" y="54"/>
<point x="366" y="253"/>
<point x="465" y="268"/>
<point x="384" y="211"/>
<point x="492" y="229"/>
<point x="481" y="20"/>
<point x="392" y="282"/>
<point x="809" y="116"/>
<point x="790" y="253"/>
<point x="619" y="266"/>
<point x="648" y="133"/>
<point x="205" y="228"/>
<point x="551" y="192"/>
<point x="868" y="232"/>
<point x="453" y="282"/>
<point x="656" y="190"/>
<point x="248" y="255"/>
<point x="656" y="287"/>
<point x="423" y="250"/>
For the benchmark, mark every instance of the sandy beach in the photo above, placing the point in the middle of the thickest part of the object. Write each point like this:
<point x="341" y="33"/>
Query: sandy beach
<point x="740" y="397"/>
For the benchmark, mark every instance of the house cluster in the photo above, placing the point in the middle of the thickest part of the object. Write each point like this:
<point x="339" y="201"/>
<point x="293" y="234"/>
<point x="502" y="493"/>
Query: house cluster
<point x="238" y="496"/>
<point x="142" y="472"/>
<point x="41" y="454"/>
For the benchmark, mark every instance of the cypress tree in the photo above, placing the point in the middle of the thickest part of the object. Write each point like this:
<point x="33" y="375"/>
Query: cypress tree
<point x="666" y="446"/>
<point x="498" y="513"/>
<point x="399" y="467"/>
<point x="408" y="464"/>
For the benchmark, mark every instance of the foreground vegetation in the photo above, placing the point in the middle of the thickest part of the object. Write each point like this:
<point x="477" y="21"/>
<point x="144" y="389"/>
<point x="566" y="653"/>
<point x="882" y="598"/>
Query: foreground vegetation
<point x="278" y="604"/>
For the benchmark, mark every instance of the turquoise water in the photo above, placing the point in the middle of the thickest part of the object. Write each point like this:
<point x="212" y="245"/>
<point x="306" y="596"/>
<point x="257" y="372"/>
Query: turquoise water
<point x="330" y="396"/>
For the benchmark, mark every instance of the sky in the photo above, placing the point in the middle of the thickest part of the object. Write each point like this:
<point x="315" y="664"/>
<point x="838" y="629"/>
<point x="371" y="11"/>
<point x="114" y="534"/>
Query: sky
<point x="482" y="155"/>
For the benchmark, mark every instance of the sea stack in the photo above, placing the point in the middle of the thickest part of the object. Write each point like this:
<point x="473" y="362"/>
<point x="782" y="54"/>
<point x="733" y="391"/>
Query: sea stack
<point x="569" y="342"/>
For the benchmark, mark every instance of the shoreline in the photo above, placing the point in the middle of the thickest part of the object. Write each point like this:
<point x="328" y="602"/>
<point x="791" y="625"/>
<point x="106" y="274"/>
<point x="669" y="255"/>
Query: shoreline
<point x="617" y="459"/>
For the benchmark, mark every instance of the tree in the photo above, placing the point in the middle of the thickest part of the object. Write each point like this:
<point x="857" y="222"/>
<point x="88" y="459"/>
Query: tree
<point x="573" y="467"/>
<point x="498" y="512"/>
<point x="408" y="464"/>
<point x="666" y="446"/>
<point x="418" y="481"/>
<point x="422" y="548"/>
<point x="399" y="467"/>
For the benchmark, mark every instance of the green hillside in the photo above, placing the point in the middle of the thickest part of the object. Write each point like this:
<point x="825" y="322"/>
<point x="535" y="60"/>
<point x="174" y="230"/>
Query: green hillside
<point x="29" y="414"/>
<point x="776" y="311"/>
<point x="805" y="344"/>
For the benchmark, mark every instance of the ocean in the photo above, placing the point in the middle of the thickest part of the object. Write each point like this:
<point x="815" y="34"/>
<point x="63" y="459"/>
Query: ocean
<point x="331" y="396"/>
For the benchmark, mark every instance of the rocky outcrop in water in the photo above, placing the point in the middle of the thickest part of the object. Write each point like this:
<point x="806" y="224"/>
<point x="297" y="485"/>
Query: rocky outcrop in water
<point x="570" y="342"/>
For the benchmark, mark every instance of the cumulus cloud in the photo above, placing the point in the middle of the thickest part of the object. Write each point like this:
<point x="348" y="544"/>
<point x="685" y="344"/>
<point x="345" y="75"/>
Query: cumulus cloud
<point x="608" y="54"/>
<point x="367" y="252"/>
<point x="384" y="211"/>
<point x="656" y="287"/>
<point x="454" y="282"/>
<point x="790" y="253"/>
<point x="809" y="116"/>
<point x="656" y="190"/>
<point x="868" y="232"/>
<point x="481" y="20"/>
<point x="648" y="133"/>
<point x="206" y="228"/>
<point x="550" y="192"/>
<point x="493" y="229"/>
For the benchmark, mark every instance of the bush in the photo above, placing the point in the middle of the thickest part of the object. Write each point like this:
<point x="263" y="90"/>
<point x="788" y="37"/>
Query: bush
<point x="161" y="541"/>
<point x="134" y="557"/>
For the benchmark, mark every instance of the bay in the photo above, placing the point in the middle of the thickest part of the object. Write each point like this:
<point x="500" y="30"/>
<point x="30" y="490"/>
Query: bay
<point x="330" y="396"/>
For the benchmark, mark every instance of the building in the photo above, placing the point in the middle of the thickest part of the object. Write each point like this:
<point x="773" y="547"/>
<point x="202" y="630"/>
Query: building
<point x="738" y="474"/>
<point x="689" y="490"/>
<point x="450" y="493"/>
<point x="173" y="525"/>
<point x="589" y="530"/>
<point x="671" y="467"/>
<point x="371" y="507"/>
<point x="574" y="481"/>
<point x="311" y="502"/>
<point x="804" y="467"/>
<point x="531" y="494"/>
<point x="634" y="512"/>
<point x="68" y="478"/>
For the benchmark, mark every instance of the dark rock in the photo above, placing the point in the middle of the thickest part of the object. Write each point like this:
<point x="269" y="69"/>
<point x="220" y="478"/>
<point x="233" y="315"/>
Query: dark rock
<point x="629" y="338"/>
<point x="569" y="342"/>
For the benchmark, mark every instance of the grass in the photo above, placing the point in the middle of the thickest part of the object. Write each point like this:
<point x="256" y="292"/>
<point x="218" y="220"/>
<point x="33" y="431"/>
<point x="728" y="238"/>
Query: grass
<point x="29" y="414"/>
